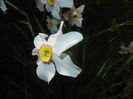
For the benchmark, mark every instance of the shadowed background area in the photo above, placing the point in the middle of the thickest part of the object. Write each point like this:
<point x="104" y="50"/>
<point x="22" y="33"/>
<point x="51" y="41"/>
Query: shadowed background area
<point x="105" y="75"/>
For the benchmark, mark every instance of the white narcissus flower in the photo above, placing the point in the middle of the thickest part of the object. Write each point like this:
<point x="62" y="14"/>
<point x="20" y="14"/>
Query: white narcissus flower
<point x="126" y="50"/>
<point x="75" y="16"/>
<point x="52" y="24"/>
<point x="54" y="6"/>
<point x="39" y="5"/>
<point x="51" y="57"/>
<point x="3" y="6"/>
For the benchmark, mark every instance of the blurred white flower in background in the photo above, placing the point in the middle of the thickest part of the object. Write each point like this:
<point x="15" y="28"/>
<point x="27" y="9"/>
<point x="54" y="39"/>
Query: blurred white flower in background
<point x="126" y="50"/>
<point x="54" y="6"/>
<point x="39" y="5"/>
<point x="74" y="16"/>
<point x="51" y="57"/>
<point x="52" y="25"/>
<point x="3" y="6"/>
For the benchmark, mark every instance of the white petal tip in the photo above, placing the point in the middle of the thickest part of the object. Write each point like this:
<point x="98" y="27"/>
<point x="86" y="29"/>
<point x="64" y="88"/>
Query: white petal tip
<point x="43" y="34"/>
<point x="61" y="25"/>
<point x="34" y="52"/>
<point x="62" y="22"/>
<point x="46" y="72"/>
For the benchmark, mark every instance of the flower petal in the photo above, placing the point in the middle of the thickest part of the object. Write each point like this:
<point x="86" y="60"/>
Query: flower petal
<point x="46" y="71"/>
<point x="40" y="40"/>
<point x="56" y="11"/>
<point x="62" y="42"/>
<point x="43" y="35"/>
<point x="53" y="37"/>
<point x="131" y="44"/>
<point x="81" y="8"/>
<point x="66" y="3"/>
<point x="78" y="23"/>
<point x="53" y="29"/>
<point x="39" y="62"/>
<point x="66" y="67"/>
<point x="40" y="6"/>
<point x="2" y="5"/>
<point x="44" y="1"/>
<point x="35" y="51"/>
<point x="56" y="22"/>
<point x="48" y="8"/>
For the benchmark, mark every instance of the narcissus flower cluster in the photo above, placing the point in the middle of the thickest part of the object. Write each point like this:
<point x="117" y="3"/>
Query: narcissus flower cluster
<point x="54" y="6"/>
<point x="51" y="56"/>
<point x="73" y="15"/>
